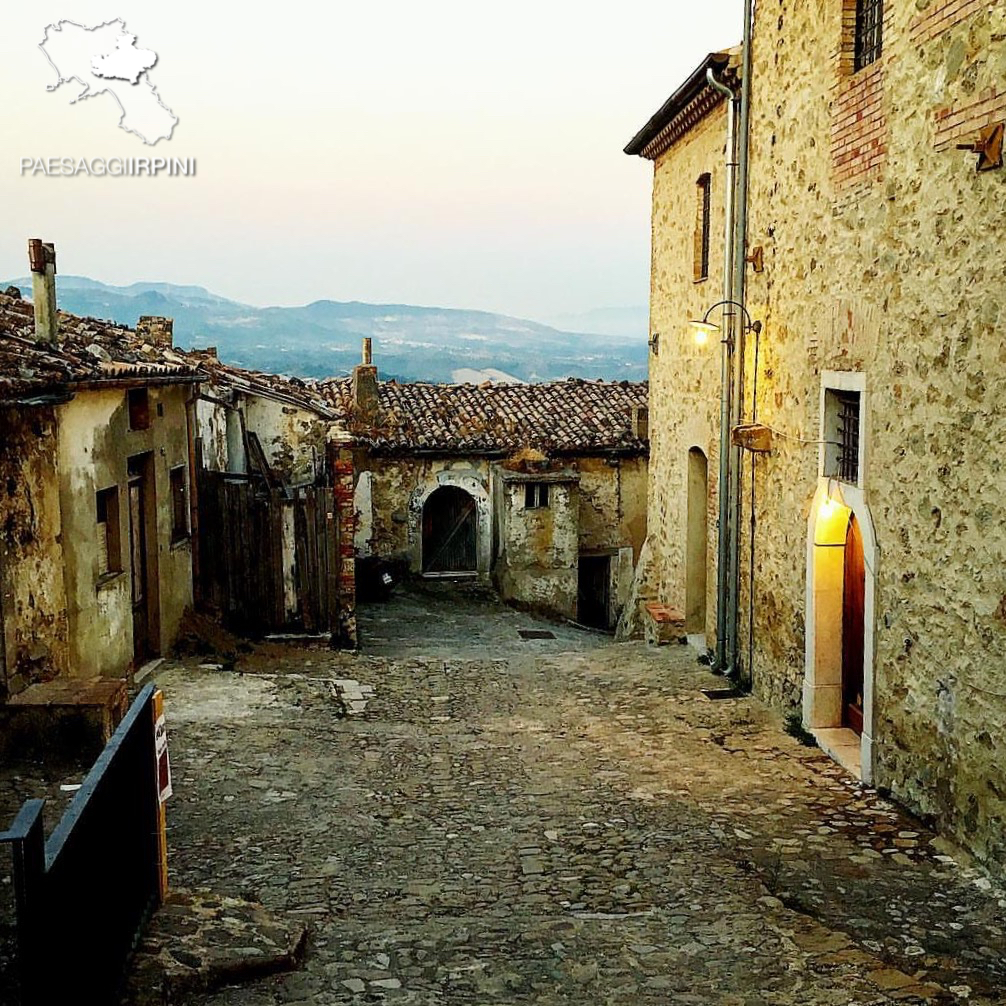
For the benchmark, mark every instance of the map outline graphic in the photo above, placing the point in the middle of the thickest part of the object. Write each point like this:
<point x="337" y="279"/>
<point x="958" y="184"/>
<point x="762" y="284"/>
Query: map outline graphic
<point x="105" y="80"/>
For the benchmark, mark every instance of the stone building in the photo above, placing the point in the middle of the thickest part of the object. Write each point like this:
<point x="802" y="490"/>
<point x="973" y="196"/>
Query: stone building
<point x="272" y="469"/>
<point x="540" y="489"/>
<point x="95" y="544"/>
<point x="874" y="597"/>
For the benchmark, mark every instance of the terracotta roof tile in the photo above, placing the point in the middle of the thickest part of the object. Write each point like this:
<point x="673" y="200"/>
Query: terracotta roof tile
<point x="89" y="351"/>
<point x="571" y="416"/>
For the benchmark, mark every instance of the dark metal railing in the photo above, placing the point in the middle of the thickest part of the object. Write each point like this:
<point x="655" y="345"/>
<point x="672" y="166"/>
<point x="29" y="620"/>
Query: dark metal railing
<point x="83" y="896"/>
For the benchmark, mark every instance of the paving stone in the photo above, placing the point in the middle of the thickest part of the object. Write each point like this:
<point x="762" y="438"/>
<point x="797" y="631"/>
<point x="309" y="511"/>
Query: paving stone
<point x="583" y="827"/>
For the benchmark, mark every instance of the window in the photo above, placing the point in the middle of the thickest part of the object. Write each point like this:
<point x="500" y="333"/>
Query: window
<point x="535" y="495"/>
<point x="869" y="32"/>
<point x="138" y="403"/>
<point x="109" y="546"/>
<point x="703" y="188"/>
<point x="179" y="505"/>
<point x="842" y="435"/>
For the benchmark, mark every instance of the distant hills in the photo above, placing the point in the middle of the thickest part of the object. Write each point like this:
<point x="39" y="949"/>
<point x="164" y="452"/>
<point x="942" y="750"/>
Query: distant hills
<point x="323" y="339"/>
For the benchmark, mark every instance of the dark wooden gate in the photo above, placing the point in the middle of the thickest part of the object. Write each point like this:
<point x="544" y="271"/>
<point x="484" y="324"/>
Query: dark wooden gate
<point x="450" y="527"/>
<point x="269" y="557"/>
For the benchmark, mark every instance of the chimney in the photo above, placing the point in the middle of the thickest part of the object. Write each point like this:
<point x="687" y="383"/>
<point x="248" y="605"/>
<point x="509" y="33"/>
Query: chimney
<point x="159" y="331"/>
<point x="640" y="422"/>
<point x="42" y="259"/>
<point x="365" y="399"/>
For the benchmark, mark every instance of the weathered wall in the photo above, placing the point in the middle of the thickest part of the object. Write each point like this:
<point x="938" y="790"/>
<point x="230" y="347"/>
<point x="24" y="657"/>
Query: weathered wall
<point x="95" y="444"/>
<point x="32" y="597"/>
<point x="539" y="547"/>
<point x="684" y="377"/>
<point x="882" y="258"/>
<point x="293" y="438"/>
<point x="612" y="503"/>
<point x="400" y="487"/>
<point x="212" y="418"/>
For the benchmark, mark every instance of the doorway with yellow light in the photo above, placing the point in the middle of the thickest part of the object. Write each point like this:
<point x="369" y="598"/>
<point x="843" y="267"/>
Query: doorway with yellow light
<point x="838" y="679"/>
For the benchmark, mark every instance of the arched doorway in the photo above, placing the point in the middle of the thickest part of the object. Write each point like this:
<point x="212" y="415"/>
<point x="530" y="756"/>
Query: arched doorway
<point x="697" y="542"/>
<point x="841" y="589"/>
<point x="450" y="528"/>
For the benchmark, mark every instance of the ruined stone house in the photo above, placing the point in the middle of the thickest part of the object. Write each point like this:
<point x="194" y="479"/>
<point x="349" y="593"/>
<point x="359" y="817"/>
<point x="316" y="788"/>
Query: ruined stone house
<point x="540" y="489"/>
<point x="95" y="545"/>
<point x="275" y="503"/>
<point x="872" y="576"/>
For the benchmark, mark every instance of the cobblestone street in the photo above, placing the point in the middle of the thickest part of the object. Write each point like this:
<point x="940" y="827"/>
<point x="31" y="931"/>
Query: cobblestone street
<point x="553" y="821"/>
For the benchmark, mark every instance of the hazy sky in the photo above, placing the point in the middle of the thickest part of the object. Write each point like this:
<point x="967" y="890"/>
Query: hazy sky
<point x="452" y="153"/>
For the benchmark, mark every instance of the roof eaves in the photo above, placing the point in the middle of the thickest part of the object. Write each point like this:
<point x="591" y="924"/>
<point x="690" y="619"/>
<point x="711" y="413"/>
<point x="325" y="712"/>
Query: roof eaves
<point x="694" y="96"/>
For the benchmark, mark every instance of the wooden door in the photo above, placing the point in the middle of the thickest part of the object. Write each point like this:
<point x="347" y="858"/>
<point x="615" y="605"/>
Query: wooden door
<point x="139" y="566"/>
<point x="450" y="527"/>
<point x="594" y="591"/>
<point x="853" y="608"/>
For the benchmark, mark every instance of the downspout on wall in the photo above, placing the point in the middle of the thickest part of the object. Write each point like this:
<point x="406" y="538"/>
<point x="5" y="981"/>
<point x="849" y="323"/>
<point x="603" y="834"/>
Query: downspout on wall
<point x="739" y="294"/>
<point x="726" y="511"/>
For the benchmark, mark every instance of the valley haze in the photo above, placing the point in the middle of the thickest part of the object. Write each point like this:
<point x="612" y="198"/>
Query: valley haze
<point x="322" y="339"/>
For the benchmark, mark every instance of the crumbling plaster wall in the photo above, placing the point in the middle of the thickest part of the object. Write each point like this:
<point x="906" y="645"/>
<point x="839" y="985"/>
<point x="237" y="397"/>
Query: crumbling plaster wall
<point x="32" y="595"/>
<point x="684" y="377"/>
<point x="539" y="546"/>
<point x="896" y="273"/>
<point x="612" y="503"/>
<point x="95" y="444"/>
<point x="212" y="432"/>
<point x="399" y="488"/>
<point x="293" y="438"/>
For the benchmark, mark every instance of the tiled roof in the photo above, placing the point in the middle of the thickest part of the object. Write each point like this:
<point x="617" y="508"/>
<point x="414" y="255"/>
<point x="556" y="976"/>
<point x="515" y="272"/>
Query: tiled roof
<point x="292" y="390"/>
<point x="89" y="351"/>
<point x="572" y="416"/>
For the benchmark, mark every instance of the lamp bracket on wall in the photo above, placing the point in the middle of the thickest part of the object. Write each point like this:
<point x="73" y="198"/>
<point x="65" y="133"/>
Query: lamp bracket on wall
<point x="988" y="146"/>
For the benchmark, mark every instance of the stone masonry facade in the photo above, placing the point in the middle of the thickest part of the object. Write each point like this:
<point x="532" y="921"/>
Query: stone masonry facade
<point x="883" y="279"/>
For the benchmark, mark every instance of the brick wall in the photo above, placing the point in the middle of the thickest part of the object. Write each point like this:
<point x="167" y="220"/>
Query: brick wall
<point x="859" y="126"/>
<point x="342" y="482"/>
<point x="955" y="124"/>
<point x="940" y="16"/>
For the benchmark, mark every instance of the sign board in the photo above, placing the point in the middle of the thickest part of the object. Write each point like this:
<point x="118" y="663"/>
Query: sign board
<point x="163" y="764"/>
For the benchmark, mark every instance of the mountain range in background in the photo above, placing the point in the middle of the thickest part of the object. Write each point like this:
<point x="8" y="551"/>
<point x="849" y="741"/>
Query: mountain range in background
<point x="410" y="343"/>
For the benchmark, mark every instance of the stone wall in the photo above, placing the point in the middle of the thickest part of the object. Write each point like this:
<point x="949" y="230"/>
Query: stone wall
<point x="684" y="377"/>
<point x="889" y="275"/>
<point x="33" y="633"/>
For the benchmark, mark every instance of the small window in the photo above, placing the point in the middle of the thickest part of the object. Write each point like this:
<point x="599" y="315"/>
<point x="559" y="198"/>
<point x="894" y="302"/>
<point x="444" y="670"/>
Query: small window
<point x="842" y="435"/>
<point x="535" y="495"/>
<point x="869" y="32"/>
<point x="138" y="401"/>
<point x="703" y="212"/>
<point x="109" y="546"/>
<point x="179" y="505"/>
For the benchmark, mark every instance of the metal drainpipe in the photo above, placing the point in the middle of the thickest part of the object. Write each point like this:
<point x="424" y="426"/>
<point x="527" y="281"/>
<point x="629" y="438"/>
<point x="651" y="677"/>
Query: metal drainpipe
<point x="724" y="535"/>
<point x="739" y="293"/>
